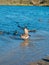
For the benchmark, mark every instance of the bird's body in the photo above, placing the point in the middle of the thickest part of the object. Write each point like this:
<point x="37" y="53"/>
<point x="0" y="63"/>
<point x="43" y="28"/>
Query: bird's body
<point x="26" y="32"/>
<point x="25" y="35"/>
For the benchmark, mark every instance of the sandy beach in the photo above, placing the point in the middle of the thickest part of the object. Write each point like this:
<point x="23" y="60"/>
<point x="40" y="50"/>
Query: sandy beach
<point x="25" y="2"/>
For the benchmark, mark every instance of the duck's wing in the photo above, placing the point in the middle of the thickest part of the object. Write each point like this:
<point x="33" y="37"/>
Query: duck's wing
<point x="32" y="30"/>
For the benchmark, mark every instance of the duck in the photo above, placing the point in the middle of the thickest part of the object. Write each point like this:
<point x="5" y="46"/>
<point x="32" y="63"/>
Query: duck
<point x="25" y="35"/>
<point x="26" y="32"/>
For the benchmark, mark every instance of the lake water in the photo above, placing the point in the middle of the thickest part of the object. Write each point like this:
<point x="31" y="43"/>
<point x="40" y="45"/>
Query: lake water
<point x="14" y="50"/>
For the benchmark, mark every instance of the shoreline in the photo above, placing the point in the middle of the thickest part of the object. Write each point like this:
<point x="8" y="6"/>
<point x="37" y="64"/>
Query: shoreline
<point x="44" y="61"/>
<point x="25" y="4"/>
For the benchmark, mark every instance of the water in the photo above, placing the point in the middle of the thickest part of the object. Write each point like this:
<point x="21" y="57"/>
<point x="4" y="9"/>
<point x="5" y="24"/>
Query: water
<point x="14" y="50"/>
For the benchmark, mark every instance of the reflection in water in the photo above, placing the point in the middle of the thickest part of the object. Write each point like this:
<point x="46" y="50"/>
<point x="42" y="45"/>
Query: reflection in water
<point x="25" y="43"/>
<point x="19" y="51"/>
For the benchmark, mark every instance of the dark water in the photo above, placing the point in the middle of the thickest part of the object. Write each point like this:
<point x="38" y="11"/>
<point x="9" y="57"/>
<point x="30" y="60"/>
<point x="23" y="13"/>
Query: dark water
<point x="14" y="50"/>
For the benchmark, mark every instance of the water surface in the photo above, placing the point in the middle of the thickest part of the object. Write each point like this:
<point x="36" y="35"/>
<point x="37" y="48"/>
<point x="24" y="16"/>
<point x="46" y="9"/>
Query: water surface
<point x="14" y="50"/>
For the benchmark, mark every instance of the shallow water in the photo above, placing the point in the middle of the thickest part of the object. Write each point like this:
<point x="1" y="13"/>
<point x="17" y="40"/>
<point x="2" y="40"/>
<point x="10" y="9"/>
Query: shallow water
<point x="14" y="50"/>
